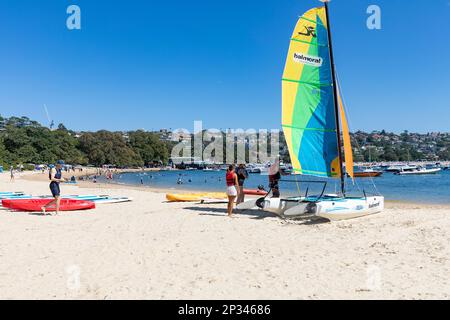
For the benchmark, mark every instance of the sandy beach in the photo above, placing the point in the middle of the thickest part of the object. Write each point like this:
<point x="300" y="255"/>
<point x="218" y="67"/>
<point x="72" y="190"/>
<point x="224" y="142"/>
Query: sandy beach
<point x="150" y="249"/>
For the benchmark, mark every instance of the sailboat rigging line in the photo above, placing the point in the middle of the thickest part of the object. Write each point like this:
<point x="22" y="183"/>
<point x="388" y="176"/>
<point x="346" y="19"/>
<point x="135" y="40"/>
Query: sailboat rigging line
<point x="355" y="181"/>
<point x="298" y="186"/>
<point x="344" y="105"/>
<point x="336" y="107"/>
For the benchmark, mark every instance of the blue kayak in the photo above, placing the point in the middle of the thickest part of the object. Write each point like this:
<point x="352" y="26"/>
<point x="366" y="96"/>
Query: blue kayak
<point x="19" y="193"/>
<point x="81" y="197"/>
<point x="23" y="196"/>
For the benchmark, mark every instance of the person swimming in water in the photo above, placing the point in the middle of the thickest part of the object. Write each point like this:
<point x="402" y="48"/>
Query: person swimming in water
<point x="55" y="176"/>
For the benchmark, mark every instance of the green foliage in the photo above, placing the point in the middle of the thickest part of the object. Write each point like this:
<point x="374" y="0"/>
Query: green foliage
<point x="148" y="146"/>
<point x="104" y="147"/>
<point x="25" y="141"/>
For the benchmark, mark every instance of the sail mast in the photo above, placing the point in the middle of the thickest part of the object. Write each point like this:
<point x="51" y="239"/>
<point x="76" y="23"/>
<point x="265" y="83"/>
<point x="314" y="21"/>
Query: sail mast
<point x="335" y="94"/>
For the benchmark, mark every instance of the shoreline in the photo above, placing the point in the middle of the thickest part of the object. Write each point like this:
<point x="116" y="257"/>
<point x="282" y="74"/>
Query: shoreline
<point x="153" y="249"/>
<point x="118" y="186"/>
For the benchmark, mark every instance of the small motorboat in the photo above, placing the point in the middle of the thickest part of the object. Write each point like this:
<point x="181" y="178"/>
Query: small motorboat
<point x="367" y="173"/>
<point x="418" y="170"/>
<point x="398" y="168"/>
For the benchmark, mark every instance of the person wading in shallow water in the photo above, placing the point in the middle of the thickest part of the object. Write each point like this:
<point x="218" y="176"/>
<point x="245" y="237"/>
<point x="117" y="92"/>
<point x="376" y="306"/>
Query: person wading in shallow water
<point x="232" y="188"/>
<point x="55" y="176"/>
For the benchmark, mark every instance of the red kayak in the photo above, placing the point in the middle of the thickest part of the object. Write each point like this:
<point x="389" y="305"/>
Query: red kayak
<point x="37" y="204"/>
<point x="255" y="192"/>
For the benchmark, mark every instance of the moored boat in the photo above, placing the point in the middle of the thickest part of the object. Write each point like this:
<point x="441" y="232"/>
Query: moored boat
<point x="400" y="167"/>
<point x="417" y="171"/>
<point x="367" y="173"/>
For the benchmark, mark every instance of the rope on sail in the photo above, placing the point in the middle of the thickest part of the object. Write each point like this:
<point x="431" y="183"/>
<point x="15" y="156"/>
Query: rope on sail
<point x="355" y="182"/>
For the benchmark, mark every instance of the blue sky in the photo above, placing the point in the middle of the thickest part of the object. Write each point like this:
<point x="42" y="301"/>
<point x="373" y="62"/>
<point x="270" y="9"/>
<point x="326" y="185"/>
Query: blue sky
<point x="163" y="64"/>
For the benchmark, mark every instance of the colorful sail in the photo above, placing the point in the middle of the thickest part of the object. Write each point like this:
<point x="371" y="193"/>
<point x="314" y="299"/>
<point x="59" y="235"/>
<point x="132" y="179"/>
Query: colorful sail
<point x="308" y="119"/>
<point x="348" y="153"/>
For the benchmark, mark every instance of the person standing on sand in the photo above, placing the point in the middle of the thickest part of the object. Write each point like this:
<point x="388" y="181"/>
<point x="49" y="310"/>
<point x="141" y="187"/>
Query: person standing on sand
<point x="242" y="174"/>
<point x="11" y="170"/>
<point x="274" y="178"/>
<point x="55" y="176"/>
<point x="232" y="188"/>
<point x="273" y="184"/>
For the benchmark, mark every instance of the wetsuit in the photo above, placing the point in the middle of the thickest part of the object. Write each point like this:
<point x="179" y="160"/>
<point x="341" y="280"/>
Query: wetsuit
<point x="54" y="186"/>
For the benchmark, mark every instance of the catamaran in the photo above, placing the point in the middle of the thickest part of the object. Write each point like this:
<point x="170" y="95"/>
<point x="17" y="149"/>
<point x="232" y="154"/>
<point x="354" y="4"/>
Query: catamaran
<point x="312" y="119"/>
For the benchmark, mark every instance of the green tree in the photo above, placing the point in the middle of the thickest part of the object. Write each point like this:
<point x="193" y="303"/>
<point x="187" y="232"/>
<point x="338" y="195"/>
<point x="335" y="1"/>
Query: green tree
<point x="148" y="146"/>
<point x="104" y="147"/>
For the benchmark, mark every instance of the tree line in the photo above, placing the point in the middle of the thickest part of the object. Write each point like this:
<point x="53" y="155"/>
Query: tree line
<point x="24" y="141"/>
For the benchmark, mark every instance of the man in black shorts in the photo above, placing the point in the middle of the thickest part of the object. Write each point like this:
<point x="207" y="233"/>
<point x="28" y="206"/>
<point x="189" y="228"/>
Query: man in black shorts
<point x="55" y="176"/>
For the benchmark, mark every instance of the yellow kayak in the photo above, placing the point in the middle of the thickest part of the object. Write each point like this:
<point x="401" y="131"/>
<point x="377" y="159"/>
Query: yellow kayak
<point x="195" y="196"/>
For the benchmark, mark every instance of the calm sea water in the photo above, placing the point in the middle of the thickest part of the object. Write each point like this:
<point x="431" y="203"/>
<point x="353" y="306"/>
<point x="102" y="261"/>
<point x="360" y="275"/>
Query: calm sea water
<point x="433" y="188"/>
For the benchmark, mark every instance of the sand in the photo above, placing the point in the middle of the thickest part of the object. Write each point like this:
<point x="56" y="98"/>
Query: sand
<point x="150" y="249"/>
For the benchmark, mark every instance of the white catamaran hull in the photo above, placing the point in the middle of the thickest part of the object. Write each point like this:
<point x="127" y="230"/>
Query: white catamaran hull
<point x="349" y="208"/>
<point x="332" y="209"/>
<point x="279" y="206"/>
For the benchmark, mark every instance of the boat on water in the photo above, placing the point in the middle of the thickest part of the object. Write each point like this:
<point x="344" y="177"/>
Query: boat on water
<point x="257" y="168"/>
<point x="400" y="167"/>
<point x="367" y="173"/>
<point x="418" y="170"/>
<point x="313" y="118"/>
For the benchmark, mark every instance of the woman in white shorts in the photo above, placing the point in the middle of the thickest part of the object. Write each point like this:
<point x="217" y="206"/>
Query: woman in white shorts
<point x="232" y="188"/>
